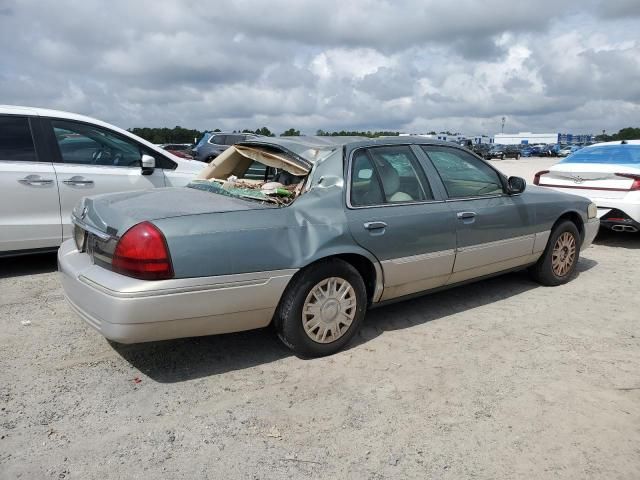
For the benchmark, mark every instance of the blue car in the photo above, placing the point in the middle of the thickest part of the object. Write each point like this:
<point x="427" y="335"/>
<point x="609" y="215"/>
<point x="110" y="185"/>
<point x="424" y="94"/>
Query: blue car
<point x="334" y="226"/>
<point x="531" y="151"/>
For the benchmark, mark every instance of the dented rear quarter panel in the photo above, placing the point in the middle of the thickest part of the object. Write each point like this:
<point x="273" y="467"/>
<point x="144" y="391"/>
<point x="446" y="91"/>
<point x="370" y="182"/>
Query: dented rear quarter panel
<point x="314" y="226"/>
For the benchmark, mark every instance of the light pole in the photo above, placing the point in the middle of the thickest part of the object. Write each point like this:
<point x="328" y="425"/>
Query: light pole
<point x="503" y="120"/>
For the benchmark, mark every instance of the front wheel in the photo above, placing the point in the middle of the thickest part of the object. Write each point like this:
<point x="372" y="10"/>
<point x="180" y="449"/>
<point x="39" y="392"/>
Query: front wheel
<point x="517" y="156"/>
<point x="560" y="258"/>
<point x="322" y="309"/>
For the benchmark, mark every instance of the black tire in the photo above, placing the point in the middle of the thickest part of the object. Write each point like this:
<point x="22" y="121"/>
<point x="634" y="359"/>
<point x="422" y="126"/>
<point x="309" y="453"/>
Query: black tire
<point x="502" y="157"/>
<point x="288" y="317"/>
<point x="517" y="156"/>
<point x="543" y="272"/>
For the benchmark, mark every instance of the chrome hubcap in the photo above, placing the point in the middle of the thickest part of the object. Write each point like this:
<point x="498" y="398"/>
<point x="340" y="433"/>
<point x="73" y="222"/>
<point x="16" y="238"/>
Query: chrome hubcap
<point x="329" y="310"/>
<point x="564" y="254"/>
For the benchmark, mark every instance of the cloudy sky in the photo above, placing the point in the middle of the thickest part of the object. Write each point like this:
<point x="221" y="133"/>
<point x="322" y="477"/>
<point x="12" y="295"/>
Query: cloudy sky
<point x="413" y="66"/>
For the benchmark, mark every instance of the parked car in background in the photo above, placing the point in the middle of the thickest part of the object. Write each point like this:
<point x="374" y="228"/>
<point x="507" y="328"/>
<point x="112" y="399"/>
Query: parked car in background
<point x="504" y="151"/>
<point x="49" y="160"/>
<point x="607" y="173"/>
<point x="568" y="150"/>
<point x="218" y="142"/>
<point x="337" y="225"/>
<point x="550" y="150"/>
<point x="531" y="151"/>
<point x="481" y="149"/>
<point x="182" y="150"/>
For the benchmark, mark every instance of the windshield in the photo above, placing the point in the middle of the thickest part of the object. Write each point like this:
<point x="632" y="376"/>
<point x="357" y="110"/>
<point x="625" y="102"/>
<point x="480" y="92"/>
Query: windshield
<point x="613" y="154"/>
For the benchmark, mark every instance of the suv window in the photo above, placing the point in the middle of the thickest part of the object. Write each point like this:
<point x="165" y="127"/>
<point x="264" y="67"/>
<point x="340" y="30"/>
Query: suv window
<point x="86" y="144"/>
<point x="387" y="175"/>
<point x="233" y="139"/>
<point x="16" y="142"/>
<point x="218" y="139"/>
<point x="463" y="174"/>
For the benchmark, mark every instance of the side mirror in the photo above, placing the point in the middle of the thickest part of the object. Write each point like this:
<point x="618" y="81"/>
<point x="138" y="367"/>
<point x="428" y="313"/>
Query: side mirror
<point x="148" y="164"/>
<point x="516" y="185"/>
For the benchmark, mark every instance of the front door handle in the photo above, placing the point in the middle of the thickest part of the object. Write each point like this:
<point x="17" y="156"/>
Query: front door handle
<point x="35" y="180"/>
<point x="78" y="180"/>
<point x="375" y="225"/>
<point x="466" y="215"/>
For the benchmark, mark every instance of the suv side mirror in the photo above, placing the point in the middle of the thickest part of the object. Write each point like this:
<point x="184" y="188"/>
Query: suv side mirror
<point x="516" y="185"/>
<point x="148" y="164"/>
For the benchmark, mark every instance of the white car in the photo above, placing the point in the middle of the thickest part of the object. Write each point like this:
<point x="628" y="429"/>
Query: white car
<point x="49" y="160"/>
<point x="608" y="174"/>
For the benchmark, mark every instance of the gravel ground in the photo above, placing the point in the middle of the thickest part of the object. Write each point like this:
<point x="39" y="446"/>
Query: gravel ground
<point x="499" y="379"/>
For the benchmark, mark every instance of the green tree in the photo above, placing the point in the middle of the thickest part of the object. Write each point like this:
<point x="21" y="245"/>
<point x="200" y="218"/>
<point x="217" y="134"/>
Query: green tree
<point x="167" y="135"/>
<point x="264" y="131"/>
<point x="628" y="133"/>
<point x="292" y="132"/>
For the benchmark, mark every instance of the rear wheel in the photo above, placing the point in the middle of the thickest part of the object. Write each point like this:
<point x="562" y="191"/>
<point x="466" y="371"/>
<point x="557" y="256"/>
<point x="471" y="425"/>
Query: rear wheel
<point x="502" y="157"/>
<point x="560" y="258"/>
<point x="322" y="308"/>
<point x="517" y="156"/>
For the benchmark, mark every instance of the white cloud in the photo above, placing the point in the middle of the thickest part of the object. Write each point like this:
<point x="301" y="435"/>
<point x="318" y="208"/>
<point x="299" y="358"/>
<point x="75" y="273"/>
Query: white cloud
<point x="365" y="64"/>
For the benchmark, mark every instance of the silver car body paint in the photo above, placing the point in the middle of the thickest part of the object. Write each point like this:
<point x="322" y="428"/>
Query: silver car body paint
<point x="233" y="258"/>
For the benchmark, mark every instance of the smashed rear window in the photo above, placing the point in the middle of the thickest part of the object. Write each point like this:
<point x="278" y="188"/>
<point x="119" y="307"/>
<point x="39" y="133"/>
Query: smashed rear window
<point x="254" y="173"/>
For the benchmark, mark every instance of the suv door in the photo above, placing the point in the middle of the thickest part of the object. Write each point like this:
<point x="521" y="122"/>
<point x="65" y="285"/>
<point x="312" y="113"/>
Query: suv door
<point x="91" y="160"/>
<point x="393" y="213"/>
<point x="495" y="231"/>
<point x="29" y="206"/>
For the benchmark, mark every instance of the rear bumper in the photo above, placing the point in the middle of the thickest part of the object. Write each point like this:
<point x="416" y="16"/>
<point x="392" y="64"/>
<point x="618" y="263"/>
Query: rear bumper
<point x="127" y="310"/>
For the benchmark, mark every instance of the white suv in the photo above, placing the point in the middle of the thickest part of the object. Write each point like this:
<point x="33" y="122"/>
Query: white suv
<point x="49" y="160"/>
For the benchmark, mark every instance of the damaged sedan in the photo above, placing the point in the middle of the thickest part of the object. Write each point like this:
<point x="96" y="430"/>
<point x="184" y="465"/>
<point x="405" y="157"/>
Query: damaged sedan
<point x="306" y="234"/>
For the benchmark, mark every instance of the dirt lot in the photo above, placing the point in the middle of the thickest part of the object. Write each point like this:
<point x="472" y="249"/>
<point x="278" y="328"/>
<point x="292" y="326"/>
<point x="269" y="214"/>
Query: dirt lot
<point x="500" y="379"/>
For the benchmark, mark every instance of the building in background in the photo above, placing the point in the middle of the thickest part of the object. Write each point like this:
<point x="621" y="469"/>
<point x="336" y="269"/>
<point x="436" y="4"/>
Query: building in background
<point x="458" y="138"/>
<point x="529" y="138"/>
<point x="525" y="138"/>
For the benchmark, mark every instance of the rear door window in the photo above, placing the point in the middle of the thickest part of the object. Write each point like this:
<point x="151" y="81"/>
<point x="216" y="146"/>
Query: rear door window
<point x="16" y="142"/>
<point x="387" y="175"/>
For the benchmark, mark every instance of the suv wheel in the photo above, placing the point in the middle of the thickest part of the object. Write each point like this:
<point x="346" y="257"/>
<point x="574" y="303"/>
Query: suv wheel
<point x="321" y="309"/>
<point x="560" y="258"/>
<point x="517" y="156"/>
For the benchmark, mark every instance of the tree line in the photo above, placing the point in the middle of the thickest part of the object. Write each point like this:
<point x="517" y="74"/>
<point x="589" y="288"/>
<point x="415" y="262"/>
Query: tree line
<point x="628" y="133"/>
<point x="185" y="135"/>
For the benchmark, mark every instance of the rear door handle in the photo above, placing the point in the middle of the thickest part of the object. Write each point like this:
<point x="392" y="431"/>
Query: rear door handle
<point x="466" y="215"/>
<point x="35" y="180"/>
<point x="78" y="180"/>
<point x="375" y="225"/>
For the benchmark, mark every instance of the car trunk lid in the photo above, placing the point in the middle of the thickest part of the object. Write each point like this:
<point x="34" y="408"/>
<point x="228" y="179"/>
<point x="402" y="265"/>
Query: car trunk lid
<point x="113" y="214"/>
<point x="591" y="180"/>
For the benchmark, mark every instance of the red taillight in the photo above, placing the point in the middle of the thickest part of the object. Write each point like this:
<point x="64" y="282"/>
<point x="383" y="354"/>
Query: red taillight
<point x="536" y="177"/>
<point x="142" y="253"/>
<point x="635" y="177"/>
